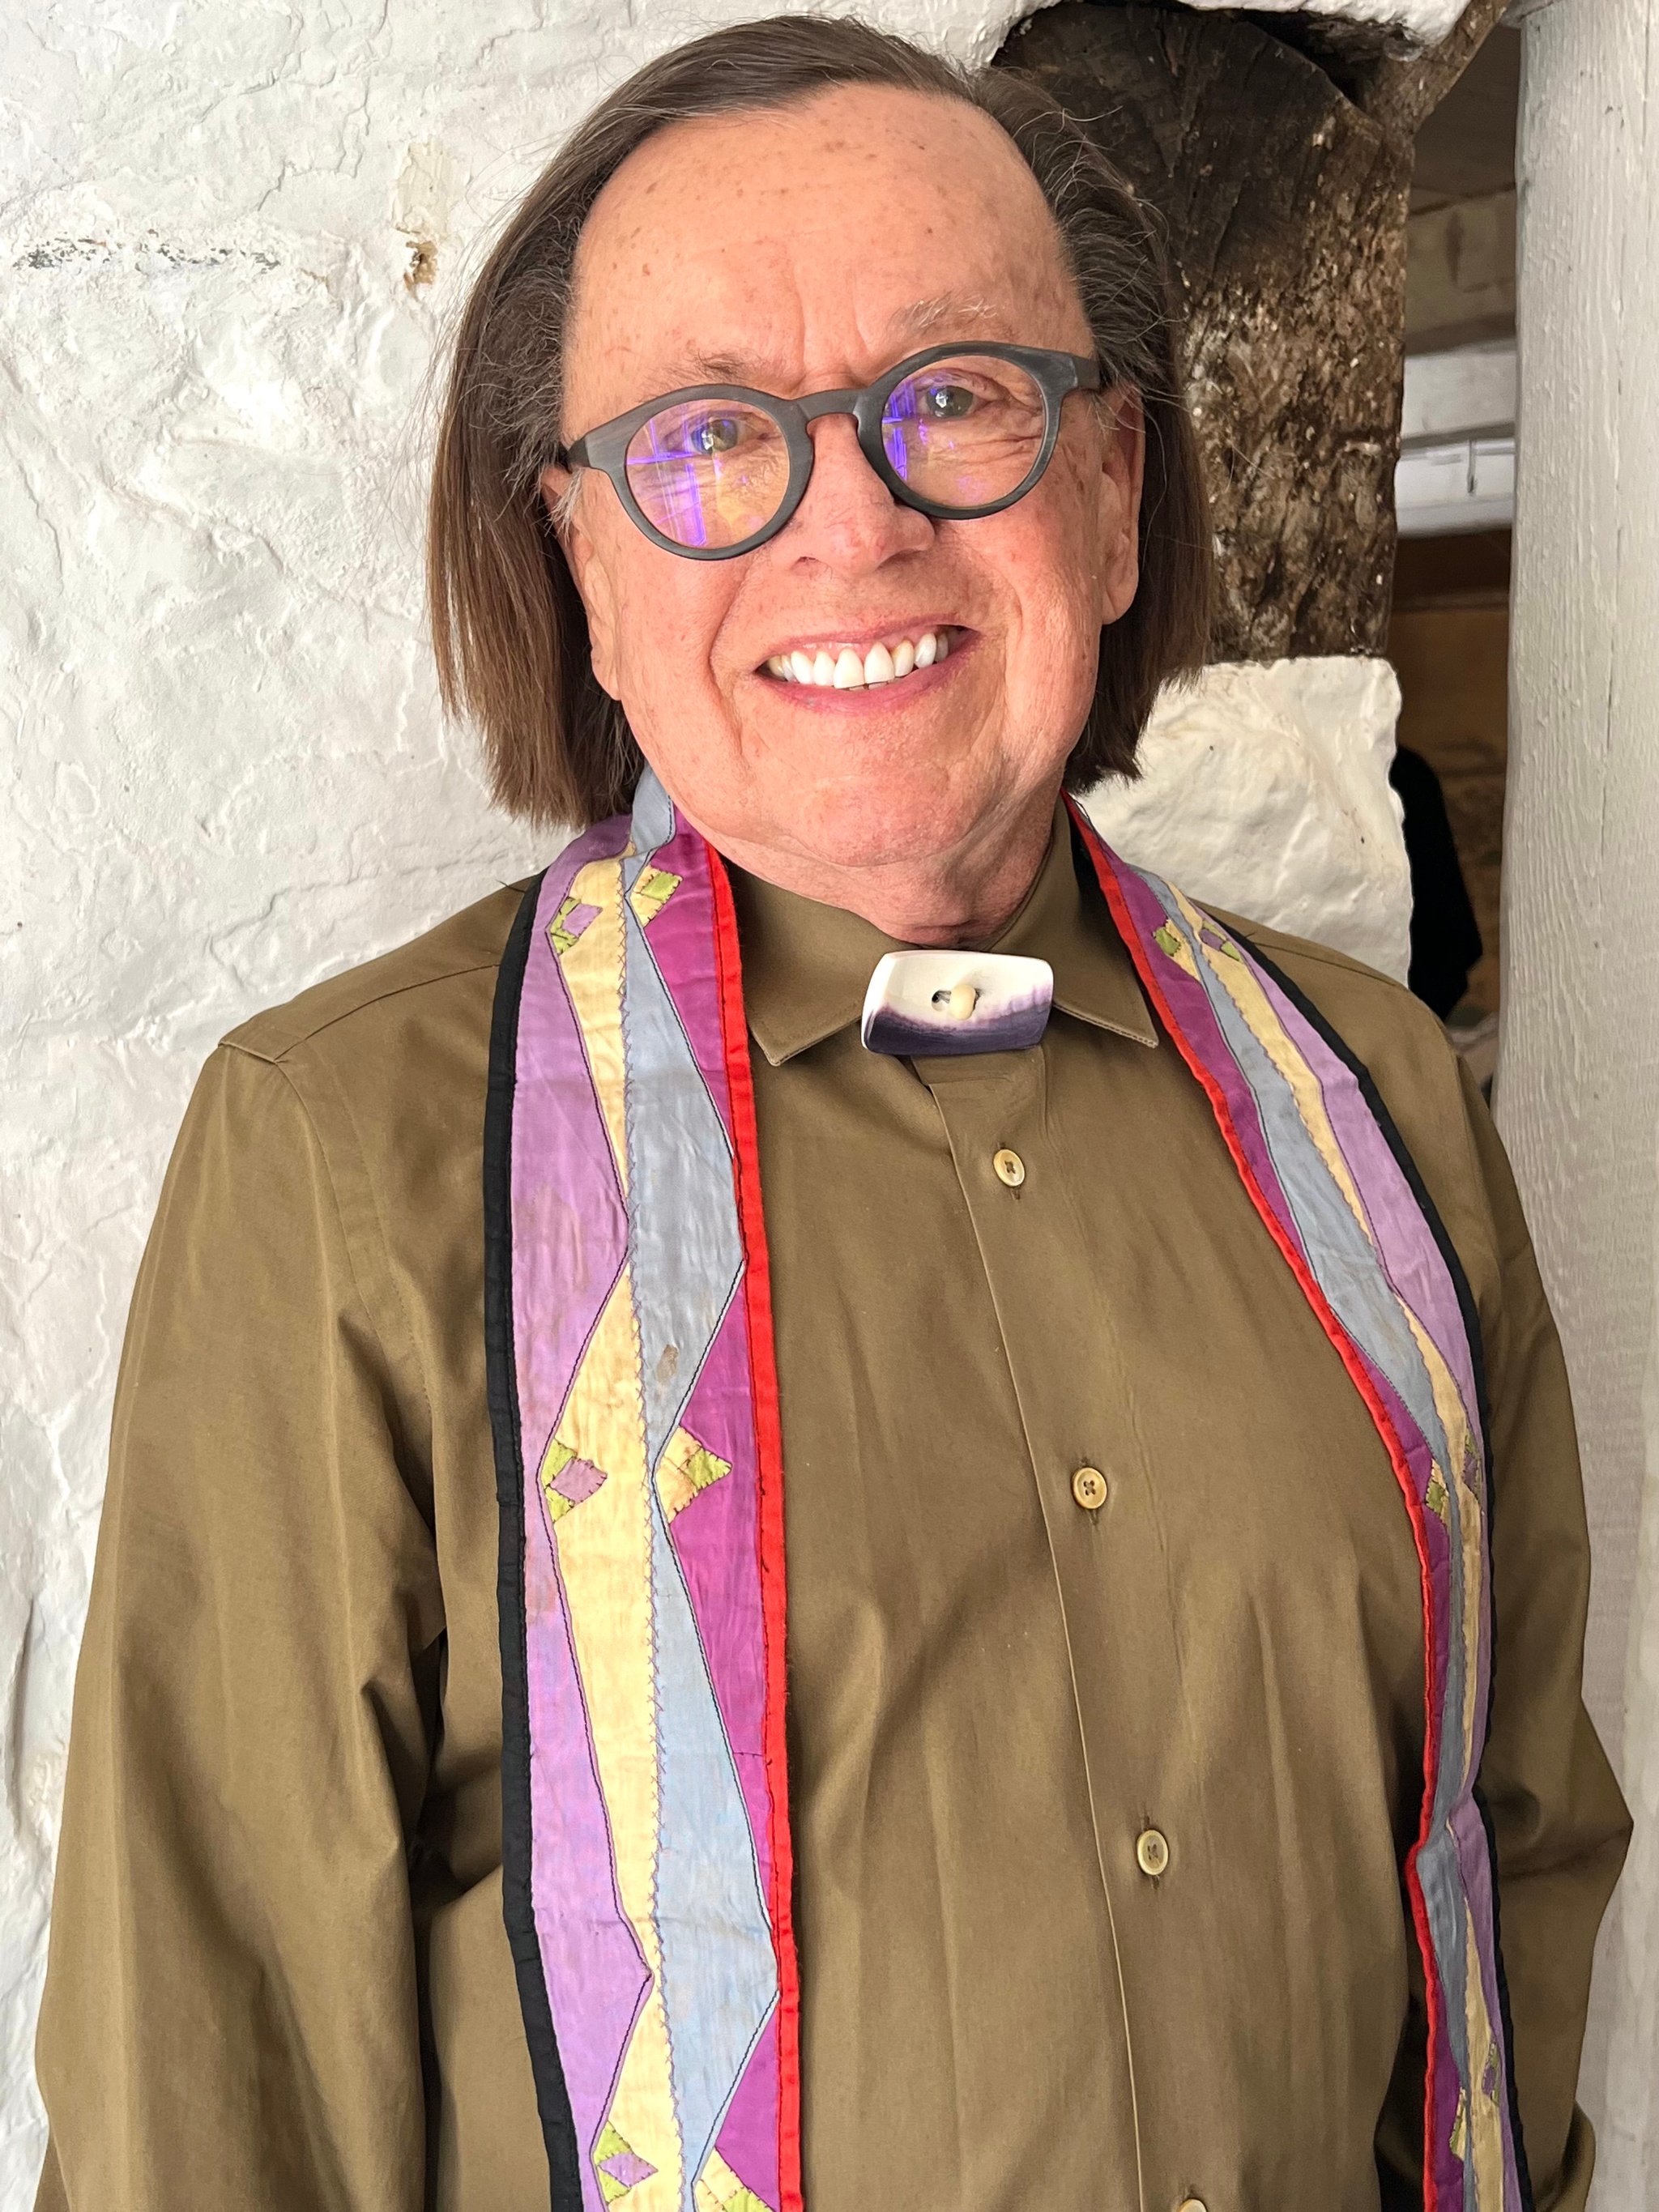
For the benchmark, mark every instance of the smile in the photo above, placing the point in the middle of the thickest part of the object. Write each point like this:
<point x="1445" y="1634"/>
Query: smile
<point x="843" y="668"/>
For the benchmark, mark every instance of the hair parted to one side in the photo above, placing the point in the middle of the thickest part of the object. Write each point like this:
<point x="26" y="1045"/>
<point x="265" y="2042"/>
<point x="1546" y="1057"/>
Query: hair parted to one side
<point x="508" y="623"/>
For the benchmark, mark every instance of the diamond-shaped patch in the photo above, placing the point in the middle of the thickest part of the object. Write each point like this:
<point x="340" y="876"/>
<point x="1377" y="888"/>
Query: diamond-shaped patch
<point x="619" y="2165"/>
<point x="568" y="923"/>
<point x="685" y="1471"/>
<point x="566" y="1478"/>
<point x="651" y="893"/>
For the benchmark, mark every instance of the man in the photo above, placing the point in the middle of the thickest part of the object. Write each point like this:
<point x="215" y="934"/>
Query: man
<point x="466" y="1806"/>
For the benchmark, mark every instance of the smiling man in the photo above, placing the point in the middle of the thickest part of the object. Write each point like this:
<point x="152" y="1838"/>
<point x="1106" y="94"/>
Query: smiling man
<point x="840" y="1507"/>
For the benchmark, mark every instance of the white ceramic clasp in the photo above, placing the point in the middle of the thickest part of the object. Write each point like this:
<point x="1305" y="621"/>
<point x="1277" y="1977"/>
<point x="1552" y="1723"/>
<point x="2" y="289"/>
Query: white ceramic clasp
<point x="938" y="1003"/>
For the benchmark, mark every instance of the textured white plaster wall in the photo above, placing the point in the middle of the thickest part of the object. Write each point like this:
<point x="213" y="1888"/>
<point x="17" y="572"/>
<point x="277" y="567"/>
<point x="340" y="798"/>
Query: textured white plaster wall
<point x="1578" y="1072"/>
<point x="226" y="775"/>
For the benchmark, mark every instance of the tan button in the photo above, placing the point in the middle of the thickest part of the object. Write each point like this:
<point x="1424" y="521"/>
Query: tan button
<point x="961" y="1001"/>
<point x="1190" y="2205"/>
<point x="1153" y="1851"/>
<point x="1010" y="1166"/>
<point x="1089" y="1488"/>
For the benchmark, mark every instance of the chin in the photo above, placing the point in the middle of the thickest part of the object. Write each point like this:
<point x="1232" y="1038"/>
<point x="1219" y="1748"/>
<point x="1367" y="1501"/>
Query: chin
<point x="882" y="820"/>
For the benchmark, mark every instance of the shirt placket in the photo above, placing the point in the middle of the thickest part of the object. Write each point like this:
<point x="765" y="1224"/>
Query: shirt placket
<point x="1093" y="1484"/>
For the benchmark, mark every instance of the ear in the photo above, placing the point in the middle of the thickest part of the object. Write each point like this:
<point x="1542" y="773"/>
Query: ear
<point x="1123" y="466"/>
<point x="589" y="567"/>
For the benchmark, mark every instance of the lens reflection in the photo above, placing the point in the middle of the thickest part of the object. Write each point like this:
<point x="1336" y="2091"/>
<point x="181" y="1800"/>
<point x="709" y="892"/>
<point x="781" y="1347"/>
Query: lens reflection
<point x="966" y="431"/>
<point x="709" y="473"/>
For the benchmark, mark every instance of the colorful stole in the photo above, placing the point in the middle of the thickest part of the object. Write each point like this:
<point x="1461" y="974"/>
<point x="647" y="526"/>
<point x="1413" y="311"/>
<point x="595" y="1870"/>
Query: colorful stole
<point x="646" y="1848"/>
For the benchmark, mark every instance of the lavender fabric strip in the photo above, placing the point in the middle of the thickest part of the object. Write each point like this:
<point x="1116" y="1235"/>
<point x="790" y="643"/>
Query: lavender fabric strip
<point x="569" y="1237"/>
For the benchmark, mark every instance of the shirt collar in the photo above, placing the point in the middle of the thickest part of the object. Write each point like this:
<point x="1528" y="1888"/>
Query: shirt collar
<point x="806" y="967"/>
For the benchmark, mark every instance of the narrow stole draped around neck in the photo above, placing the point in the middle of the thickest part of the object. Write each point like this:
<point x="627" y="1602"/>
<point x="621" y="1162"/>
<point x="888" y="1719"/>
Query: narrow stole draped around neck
<point x="646" y="1850"/>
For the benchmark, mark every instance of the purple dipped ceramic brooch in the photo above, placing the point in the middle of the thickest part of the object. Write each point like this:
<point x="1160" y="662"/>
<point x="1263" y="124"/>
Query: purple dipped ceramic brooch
<point x="940" y="1003"/>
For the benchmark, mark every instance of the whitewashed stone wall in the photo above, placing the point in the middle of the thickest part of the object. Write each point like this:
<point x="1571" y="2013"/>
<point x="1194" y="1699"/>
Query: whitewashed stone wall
<point x="229" y="234"/>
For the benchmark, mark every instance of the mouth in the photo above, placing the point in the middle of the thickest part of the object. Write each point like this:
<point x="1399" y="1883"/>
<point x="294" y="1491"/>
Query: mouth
<point x="829" y="666"/>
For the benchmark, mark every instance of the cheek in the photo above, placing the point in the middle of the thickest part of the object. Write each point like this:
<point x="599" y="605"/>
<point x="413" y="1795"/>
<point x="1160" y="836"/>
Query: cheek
<point x="667" y="614"/>
<point x="1052" y="564"/>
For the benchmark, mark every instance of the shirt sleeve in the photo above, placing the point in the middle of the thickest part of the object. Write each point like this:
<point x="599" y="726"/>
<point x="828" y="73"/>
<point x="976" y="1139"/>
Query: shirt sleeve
<point x="231" y="2008"/>
<point x="1560" y="1822"/>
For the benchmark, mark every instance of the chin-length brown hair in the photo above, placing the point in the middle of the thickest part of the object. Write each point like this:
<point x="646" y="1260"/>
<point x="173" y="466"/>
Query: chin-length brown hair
<point x="508" y="623"/>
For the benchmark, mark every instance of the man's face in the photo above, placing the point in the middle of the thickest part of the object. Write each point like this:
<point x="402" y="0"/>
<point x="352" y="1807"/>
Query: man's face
<point x="802" y="250"/>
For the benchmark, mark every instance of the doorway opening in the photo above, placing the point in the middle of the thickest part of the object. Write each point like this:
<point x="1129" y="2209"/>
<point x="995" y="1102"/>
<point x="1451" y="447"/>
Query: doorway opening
<point x="1455" y="497"/>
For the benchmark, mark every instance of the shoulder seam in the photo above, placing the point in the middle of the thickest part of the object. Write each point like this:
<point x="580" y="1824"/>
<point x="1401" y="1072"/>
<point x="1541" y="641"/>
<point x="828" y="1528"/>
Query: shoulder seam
<point x="233" y="1042"/>
<point x="1304" y="948"/>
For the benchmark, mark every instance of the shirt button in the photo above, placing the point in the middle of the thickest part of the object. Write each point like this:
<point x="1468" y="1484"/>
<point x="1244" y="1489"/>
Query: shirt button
<point x="1190" y="2205"/>
<point x="1089" y="1488"/>
<point x="1010" y="1166"/>
<point x="1153" y="1851"/>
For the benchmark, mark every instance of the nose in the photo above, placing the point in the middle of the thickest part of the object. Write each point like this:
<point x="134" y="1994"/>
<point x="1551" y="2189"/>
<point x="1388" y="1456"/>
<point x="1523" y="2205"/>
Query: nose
<point x="848" y="519"/>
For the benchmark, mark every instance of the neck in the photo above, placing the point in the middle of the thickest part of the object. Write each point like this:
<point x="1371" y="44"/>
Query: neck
<point x="963" y="896"/>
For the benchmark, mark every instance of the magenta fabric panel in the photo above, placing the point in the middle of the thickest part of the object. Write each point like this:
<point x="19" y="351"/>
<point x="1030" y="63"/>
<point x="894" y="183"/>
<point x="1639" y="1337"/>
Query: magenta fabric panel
<point x="748" y="2140"/>
<point x="713" y="1538"/>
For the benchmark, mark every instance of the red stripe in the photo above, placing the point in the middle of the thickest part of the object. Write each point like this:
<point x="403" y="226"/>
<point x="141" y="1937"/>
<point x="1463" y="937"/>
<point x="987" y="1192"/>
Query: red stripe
<point x="769" y="1443"/>
<point x="1352" y="1360"/>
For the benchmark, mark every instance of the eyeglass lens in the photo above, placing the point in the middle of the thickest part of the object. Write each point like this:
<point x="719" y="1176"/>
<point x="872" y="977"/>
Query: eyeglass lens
<point x="961" y="433"/>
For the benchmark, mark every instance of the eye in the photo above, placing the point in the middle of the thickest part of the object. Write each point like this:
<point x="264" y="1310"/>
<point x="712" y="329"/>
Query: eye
<point x="715" y="433"/>
<point x="946" y="403"/>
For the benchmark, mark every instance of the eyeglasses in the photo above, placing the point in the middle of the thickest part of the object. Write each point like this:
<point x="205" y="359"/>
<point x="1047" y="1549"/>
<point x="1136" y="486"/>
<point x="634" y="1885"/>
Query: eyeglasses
<point x="955" y="432"/>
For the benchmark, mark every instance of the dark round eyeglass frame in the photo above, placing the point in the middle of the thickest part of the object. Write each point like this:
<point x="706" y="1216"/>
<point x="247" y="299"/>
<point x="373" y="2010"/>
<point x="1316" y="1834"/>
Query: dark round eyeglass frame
<point x="1054" y="373"/>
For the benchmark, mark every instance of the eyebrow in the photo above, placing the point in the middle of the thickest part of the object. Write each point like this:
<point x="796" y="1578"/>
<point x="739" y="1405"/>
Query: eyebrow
<point x="955" y="310"/>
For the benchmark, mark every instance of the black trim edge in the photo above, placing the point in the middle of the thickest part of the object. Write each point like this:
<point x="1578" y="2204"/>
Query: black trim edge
<point x="517" y="1910"/>
<point x="1471" y="1320"/>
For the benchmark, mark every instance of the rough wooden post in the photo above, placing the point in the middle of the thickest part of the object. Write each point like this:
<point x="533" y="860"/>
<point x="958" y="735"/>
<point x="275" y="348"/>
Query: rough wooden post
<point x="1280" y="166"/>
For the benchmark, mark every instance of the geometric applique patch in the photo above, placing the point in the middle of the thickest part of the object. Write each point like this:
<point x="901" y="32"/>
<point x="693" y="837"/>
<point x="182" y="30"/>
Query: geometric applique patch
<point x="568" y="923"/>
<point x="685" y="1471"/>
<point x="1435" y="1499"/>
<point x="651" y="894"/>
<point x="1167" y="937"/>
<point x="566" y="1479"/>
<point x="719" y="2190"/>
<point x="619" y="2165"/>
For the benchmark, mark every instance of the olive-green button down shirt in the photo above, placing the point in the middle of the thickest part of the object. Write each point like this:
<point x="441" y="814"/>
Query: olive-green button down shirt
<point x="1101" y="1786"/>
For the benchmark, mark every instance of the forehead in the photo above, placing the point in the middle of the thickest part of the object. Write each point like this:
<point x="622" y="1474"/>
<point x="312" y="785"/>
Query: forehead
<point x="817" y="242"/>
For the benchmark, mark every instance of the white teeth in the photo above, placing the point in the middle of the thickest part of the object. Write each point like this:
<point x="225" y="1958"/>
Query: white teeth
<point x="846" y="672"/>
